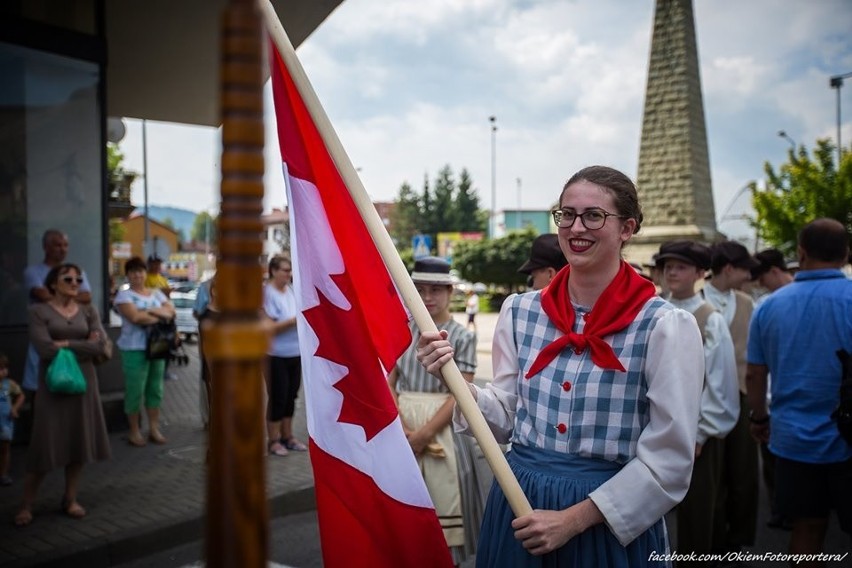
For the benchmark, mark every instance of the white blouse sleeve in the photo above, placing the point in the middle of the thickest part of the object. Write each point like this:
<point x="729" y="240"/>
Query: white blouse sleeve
<point x="657" y="478"/>
<point x="720" y="399"/>
<point x="497" y="401"/>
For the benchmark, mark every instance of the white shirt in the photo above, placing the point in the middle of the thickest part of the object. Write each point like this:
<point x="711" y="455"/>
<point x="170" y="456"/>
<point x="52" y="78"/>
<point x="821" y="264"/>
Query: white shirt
<point x="724" y="302"/>
<point x="720" y="398"/>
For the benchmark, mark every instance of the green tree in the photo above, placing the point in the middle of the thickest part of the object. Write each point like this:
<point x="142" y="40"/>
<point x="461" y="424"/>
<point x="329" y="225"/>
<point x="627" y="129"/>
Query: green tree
<point x="119" y="180"/>
<point x="445" y="217"/>
<point x="470" y="217"/>
<point x="495" y="261"/>
<point x="405" y="216"/>
<point x="117" y="231"/>
<point x="446" y="208"/>
<point x="802" y="189"/>
<point x="427" y="210"/>
<point x="204" y="228"/>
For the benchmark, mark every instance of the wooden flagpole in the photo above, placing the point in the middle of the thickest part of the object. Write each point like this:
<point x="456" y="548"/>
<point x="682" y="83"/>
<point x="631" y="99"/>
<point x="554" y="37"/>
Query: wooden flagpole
<point x="452" y="376"/>
<point x="235" y="341"/>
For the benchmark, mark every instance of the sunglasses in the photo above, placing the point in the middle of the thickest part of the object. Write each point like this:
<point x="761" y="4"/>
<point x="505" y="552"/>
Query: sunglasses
<point x="70" y="279"/>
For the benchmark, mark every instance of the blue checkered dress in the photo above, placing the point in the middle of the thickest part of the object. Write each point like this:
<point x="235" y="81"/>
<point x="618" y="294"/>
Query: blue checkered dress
<point x="575" y="427"/>
<point x="573" y="406"/>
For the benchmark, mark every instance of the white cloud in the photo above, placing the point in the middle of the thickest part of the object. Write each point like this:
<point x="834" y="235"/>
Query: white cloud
<point x="409" y="86"/>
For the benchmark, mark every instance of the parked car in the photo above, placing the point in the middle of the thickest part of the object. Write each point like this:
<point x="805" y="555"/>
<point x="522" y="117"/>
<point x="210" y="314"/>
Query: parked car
<point x="187" y="325"/>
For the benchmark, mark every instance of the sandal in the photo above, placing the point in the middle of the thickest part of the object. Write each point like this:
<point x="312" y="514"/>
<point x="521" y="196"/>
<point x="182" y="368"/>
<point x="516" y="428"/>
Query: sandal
<point x="157" y="438"/>
<point x="294" y="445"/>
<point x="23" y="518"/>
<point x="73" y="509"/>
<point x="137" y="441"/>
<point x="276" y="449"/>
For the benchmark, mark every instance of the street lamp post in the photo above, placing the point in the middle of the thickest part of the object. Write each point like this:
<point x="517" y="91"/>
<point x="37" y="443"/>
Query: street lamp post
<point x="836" y="82"/>
<point x="146" y="247"/>
<point x="492" y="218"/>
<point x="786" y="137"/>
<point x="520" y="214"/>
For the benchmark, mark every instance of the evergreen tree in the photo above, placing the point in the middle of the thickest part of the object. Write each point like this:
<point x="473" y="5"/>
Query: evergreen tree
<point x="470" y="218"/>
<point x="427" y="210"/>
<point x="445" y="217"/>
<point x="405" y="216"/>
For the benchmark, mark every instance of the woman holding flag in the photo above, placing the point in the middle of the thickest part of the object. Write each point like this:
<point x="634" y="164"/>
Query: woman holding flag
<point x="597" y="383"/>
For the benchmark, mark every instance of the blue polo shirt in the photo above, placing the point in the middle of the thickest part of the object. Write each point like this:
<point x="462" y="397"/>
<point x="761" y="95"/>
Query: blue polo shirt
<point x="796" y="333"/>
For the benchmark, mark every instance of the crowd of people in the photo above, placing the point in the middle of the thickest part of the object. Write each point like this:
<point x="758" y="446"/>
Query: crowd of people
<point x="620" y="396"/>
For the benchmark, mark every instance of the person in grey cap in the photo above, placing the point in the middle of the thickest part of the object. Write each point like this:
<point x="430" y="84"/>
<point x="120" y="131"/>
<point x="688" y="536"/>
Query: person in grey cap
<point x="546" y="259"/>
<point x="682" y="264"/>
<point x="732" y="264"/>
<point x="426" y="408"/>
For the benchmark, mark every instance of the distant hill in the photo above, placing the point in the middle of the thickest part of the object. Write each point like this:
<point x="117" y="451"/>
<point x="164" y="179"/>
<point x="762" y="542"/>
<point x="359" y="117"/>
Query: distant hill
<point x="182" y="219"/>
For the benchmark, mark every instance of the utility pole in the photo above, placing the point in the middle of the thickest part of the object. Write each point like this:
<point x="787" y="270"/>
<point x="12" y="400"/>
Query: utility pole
<point x="492" y="220"/>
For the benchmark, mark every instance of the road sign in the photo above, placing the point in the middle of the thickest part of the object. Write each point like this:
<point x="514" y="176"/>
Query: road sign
<point x="422" y="245"/>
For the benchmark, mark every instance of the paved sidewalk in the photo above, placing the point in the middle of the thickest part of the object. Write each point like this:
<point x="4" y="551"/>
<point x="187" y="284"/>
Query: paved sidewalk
<point x="143" y="500"/>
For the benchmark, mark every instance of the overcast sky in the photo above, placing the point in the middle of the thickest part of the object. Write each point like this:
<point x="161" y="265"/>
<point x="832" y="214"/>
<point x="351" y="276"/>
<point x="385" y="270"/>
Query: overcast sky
<point x="409" y="86"/>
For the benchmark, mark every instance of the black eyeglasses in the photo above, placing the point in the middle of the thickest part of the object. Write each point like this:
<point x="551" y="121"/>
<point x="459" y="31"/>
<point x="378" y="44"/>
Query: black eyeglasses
<point x="591" y="219"/>
<point x="70" y="279"/>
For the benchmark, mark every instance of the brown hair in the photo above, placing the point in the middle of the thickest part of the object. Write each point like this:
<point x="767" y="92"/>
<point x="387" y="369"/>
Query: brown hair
<point x="276" y="261"/>
<point x="617" y="184"/>
<point x="135" y="263"/>
<point x="53" y="276"/>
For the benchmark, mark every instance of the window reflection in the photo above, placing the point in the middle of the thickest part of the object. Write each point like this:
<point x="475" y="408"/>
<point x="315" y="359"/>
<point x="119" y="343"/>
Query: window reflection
<point x="50" y="168"/>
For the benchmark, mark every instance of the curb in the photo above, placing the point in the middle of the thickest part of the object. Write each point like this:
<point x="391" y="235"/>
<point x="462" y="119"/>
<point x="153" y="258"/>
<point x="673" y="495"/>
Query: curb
<point x="135" y="544"/>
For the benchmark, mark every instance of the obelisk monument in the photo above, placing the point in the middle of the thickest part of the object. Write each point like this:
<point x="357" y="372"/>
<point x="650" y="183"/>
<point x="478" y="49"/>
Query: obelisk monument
<point x="674" y="165"/>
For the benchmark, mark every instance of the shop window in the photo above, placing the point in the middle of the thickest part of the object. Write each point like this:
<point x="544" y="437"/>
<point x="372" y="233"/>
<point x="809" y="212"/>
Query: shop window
<point x="50" y="168"/>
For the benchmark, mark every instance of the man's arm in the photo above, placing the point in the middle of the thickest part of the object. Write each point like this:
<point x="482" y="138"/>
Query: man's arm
<point x="756" y="383"/>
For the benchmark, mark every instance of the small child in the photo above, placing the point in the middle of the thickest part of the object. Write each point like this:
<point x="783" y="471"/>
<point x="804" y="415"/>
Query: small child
<point x="11" y="399"/>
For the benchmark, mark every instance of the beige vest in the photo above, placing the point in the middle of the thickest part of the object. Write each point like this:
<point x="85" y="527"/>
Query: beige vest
<point x="739" y="333"/>
<point x="702" y="314"/>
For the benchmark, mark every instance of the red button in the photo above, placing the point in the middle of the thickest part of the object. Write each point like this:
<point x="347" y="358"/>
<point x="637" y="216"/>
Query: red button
<point x="566" y="386"/>
<point x="577" y="350"/>
<point x="562" y="428"/>
<point x="586" y="316"/>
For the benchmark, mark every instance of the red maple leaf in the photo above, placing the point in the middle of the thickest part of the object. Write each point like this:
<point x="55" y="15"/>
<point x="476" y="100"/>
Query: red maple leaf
<point x="344" y="338"/>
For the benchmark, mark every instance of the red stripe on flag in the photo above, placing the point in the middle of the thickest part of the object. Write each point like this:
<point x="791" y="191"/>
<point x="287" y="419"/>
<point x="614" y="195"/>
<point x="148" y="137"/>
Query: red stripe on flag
<point x="305" y="154"/>
<point x="379" y="530"/>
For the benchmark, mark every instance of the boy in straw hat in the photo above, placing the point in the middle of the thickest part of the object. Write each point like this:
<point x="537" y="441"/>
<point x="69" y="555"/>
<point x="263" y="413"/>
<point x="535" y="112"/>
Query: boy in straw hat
<point x="426" y="409"/>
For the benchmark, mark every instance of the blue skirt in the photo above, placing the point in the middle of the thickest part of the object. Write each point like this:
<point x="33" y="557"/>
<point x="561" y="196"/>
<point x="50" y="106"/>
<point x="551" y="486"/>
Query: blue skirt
<point x="555" y="481"/>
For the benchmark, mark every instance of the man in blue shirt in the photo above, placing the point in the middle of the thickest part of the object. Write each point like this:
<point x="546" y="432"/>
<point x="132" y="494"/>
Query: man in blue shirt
<point x="795" y="335"/>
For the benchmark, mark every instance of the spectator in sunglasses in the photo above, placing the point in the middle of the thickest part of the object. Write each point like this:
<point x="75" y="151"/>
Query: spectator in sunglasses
<point x="68" y="430"/>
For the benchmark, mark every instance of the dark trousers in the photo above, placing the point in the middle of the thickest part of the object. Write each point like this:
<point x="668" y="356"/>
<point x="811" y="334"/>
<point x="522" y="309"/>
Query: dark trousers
<point x="695" y="512"/>
<point x="736" y="505"/>
<point x="285" y="377"/>
<point x="767" y="471"/>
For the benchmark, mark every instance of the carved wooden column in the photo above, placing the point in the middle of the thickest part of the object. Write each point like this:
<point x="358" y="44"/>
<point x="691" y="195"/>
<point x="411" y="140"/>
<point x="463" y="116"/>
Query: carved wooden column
<point x="235" y="341"/>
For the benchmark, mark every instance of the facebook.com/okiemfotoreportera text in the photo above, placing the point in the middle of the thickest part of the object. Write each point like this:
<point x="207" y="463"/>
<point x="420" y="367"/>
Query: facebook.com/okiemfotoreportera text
<point x="746" y="557"/>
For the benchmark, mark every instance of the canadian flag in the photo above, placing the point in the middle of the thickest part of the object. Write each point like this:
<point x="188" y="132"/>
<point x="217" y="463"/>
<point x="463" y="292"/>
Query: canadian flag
<point x="372" y="504"/>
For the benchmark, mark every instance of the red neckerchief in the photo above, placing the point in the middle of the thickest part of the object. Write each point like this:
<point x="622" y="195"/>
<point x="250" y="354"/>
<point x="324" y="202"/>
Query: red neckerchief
<point x="614" y="310"/>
